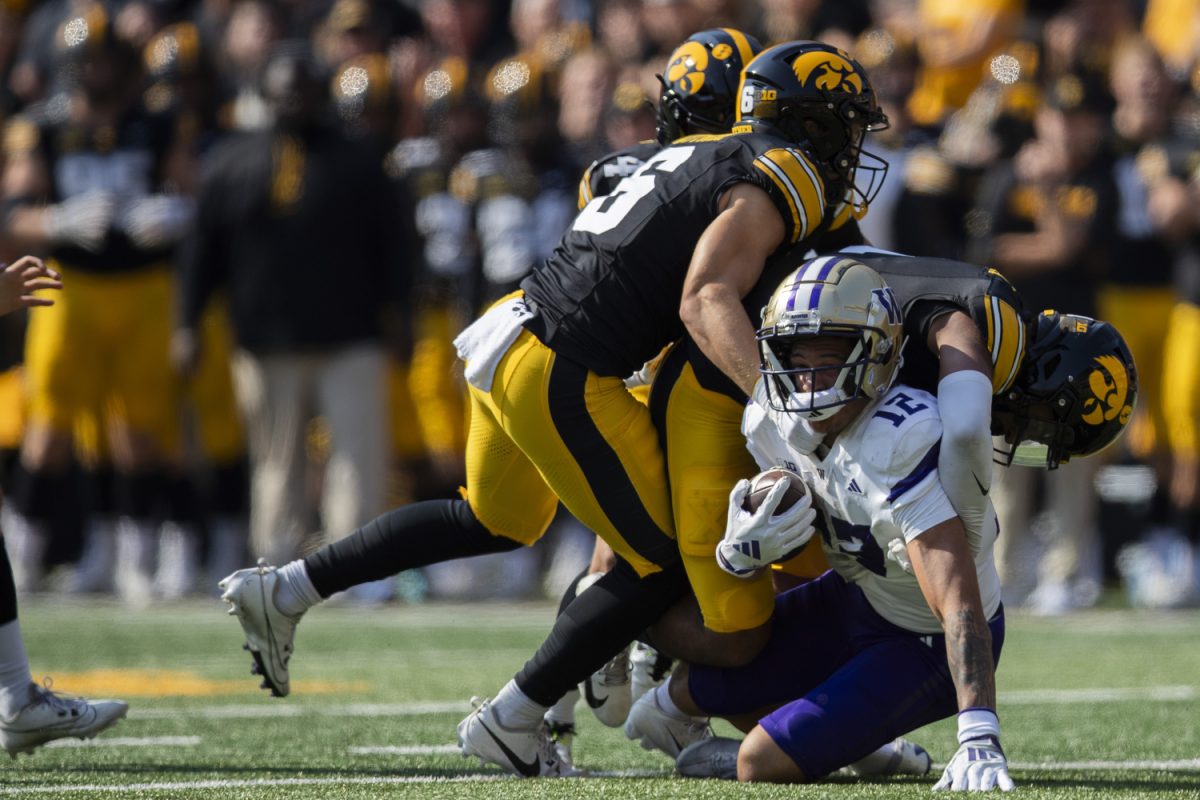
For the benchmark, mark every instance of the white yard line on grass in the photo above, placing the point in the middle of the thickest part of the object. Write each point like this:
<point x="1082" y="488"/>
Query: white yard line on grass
<point x="285" y="709"/>
<point x="1179" y="765"/>
<point x="402" y="749"/>
<point x="1035" y="697"/>
<point x="224" y="785"/>
<point x="130" y="741"/>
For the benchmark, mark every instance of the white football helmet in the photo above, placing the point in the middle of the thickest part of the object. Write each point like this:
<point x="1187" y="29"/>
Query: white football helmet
<point x="831" y="296"/>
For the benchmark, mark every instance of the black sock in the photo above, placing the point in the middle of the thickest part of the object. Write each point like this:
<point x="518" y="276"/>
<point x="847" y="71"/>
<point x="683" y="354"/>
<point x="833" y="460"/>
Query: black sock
<point x="8" y="587"/>
<point x="596" y="625"/>
<point x="413" y="536"/>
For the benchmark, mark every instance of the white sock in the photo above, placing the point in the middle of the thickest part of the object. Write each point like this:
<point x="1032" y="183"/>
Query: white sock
<point x="663" y="695"/>
<point x="137" y="554"/>
<point x="97" y="566"/>
<point x="26" y="540"/>
<point x="514" y="710"/>
<point x="295" y="593"/>
<point x="15" y="678"/>
<point x="563" y="712"/>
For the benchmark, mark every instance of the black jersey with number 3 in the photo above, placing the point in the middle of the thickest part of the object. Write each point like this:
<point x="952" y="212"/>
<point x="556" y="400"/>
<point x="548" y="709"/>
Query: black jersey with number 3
<point x="603" y="175"/>
<point x="608" y="298"/>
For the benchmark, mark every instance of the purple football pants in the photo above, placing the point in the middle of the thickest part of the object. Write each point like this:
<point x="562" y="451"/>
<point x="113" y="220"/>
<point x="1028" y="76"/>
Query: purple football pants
<point x="836" y="681"/>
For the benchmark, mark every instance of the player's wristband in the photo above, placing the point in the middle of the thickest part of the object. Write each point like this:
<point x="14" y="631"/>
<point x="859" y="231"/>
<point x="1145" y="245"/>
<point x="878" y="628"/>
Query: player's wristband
<point x="978" y="723"/>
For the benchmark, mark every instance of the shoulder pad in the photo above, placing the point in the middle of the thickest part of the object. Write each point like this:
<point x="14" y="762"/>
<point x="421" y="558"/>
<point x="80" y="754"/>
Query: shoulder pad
<point x="796" y="187"/>
<point x="1003" y="332"/>
<point x="902" y="429"/>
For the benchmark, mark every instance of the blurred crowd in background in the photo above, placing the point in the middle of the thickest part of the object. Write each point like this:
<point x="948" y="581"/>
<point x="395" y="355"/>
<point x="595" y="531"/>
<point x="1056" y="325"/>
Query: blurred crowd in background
<point x="273" y="217"/>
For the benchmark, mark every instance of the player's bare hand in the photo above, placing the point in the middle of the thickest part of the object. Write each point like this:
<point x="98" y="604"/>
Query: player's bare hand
<point x="21" y="279"/>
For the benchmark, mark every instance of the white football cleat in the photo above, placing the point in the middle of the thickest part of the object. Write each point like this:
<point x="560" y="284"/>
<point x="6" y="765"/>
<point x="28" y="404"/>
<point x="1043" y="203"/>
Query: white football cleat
<point x="649" y="724"/>
<point x="562" y="735"/>
<point x="525" y="752"/>
<point x="269" y="632"/>
<point x="648" y="668"/>
<point x="899" y="757"/>
<point x="714" y="757"/>
<point x="607" y="691"/>
<point x="51" y="716"/>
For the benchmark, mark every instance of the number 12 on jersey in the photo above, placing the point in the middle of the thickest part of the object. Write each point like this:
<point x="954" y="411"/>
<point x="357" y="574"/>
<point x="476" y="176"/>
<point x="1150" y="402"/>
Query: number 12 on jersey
<point x="604" y="213"/>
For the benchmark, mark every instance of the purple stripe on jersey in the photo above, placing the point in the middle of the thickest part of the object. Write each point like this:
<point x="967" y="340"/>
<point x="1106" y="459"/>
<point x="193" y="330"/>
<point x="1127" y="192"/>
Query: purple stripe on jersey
<point x="928" y="464"/>
<point x="815" y="297"/>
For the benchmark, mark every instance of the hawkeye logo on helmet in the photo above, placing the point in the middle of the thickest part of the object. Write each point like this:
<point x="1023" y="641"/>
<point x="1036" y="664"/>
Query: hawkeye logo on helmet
<point x="1110" y="386"/>
<point x="685" y="73"/>
<point x="827" y="71"/>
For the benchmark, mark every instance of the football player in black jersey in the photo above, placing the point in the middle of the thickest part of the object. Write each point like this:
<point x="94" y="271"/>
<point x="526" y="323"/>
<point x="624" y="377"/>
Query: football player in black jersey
<point x="551" y="418"/>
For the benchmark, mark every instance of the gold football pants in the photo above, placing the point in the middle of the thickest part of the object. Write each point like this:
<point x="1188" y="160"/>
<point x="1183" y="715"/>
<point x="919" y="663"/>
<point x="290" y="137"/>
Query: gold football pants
<point x="706" y="456"/>
<point x="550" y="430"/>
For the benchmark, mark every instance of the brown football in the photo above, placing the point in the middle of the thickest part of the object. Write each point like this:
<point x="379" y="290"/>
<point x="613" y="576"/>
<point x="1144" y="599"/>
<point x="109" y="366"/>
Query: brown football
<point x="762" y="483"/>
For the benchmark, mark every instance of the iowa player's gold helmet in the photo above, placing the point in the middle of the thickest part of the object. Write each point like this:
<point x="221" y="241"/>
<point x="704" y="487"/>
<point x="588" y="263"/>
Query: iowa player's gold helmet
<point x="831" y="296"/>
<point x="818" y="97"/>
<point x="1073" y="397"/>
<point x="700" y="83"/>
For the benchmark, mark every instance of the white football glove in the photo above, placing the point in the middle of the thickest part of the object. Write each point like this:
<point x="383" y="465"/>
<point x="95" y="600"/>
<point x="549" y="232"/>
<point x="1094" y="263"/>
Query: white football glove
<point x="157" y="220"/>
<point x="979" y="765"/>
<point x="794" y="428"/>
<point x="81" y="220"/>
<point x="756" y="540"/>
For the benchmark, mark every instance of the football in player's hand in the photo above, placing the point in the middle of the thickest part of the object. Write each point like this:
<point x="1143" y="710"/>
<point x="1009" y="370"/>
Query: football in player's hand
<point x="762" y="483"/>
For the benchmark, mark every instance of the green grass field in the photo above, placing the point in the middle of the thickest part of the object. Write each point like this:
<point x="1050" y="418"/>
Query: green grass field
<point x="1105" y="704"/>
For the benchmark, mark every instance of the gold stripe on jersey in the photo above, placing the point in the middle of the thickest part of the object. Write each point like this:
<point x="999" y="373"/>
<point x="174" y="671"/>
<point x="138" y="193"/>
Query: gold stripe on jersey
<point x="585" y="186"/>
<point x="745" y="51"/>
<point x="797" y="180"/>
<point x="1005" y="341"/>
<point x="701" y="137"/>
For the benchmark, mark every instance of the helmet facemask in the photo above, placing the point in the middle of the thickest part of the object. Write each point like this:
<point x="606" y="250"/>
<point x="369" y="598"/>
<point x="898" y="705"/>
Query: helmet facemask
<point x="676" y="119"/>
<point x="830" y="297"/>
<point x="784" y="381"/>
<point x="834" y="133"/>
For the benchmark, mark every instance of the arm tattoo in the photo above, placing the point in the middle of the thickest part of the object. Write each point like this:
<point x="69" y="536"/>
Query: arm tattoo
<point x="969" y="654"/>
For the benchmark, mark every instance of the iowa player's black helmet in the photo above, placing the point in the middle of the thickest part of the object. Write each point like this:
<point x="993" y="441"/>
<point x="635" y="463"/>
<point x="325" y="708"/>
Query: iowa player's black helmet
<point x="817" y="96"/>
<point x="1073" y="397"/>
<point x="700" y="83"/>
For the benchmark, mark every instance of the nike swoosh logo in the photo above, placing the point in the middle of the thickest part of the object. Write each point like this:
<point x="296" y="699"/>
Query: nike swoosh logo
<point x="982" y="490"/>
<point x="590" y="696"/>
<point x="528" y="769"/>
<point x="678" y="746"/>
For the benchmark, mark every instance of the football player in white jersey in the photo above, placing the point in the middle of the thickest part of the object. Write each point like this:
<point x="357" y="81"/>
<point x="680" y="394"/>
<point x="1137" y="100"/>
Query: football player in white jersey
<point x="907" y="627"/>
